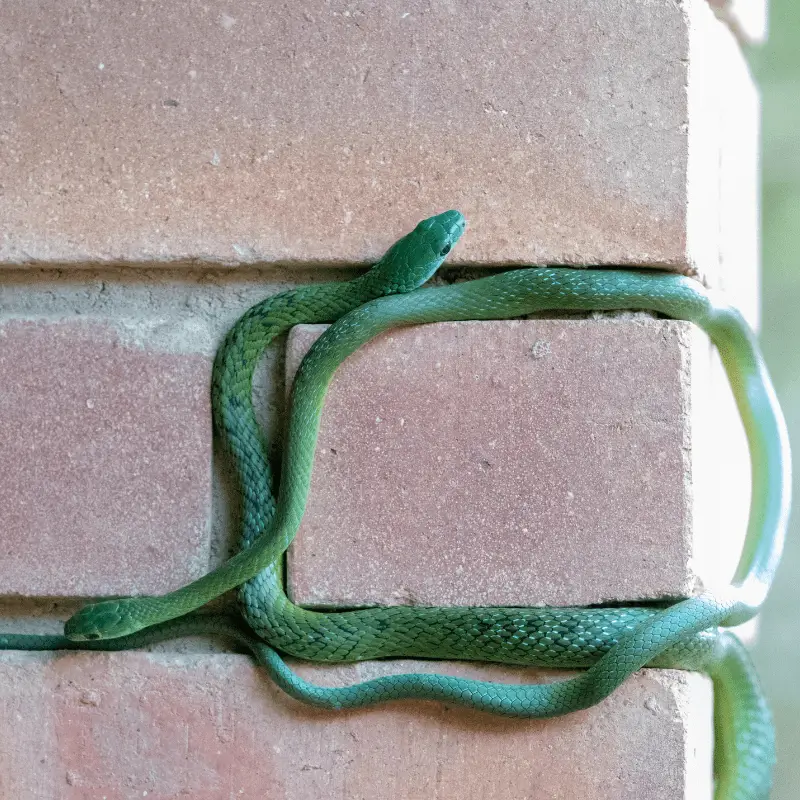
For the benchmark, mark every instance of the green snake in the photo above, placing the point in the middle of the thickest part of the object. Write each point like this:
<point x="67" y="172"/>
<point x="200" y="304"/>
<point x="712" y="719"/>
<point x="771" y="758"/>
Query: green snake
<point x="611" y="642"/>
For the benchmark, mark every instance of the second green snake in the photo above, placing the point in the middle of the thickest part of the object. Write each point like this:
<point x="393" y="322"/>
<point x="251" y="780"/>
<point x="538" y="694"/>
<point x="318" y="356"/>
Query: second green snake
<point x="611" y="642"/>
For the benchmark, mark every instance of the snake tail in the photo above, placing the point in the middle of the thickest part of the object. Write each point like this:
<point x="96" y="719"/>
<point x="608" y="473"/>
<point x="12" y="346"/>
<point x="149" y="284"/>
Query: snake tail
<point x="744" y="736"/>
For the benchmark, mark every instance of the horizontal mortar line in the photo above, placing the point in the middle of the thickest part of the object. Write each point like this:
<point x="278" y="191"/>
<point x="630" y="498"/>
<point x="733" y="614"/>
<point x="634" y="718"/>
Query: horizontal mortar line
<point x="204" y="263"/>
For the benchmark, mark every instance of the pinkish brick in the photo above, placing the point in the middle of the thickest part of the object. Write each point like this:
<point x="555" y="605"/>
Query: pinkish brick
<point x="518" y="463"/>
<point x="105" y="453"/>
<point x="322" y="131"/>
<point x="213" y="727"/>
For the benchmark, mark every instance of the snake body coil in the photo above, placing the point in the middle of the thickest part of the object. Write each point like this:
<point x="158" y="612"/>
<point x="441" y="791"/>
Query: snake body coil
<point x="611" y="642"/>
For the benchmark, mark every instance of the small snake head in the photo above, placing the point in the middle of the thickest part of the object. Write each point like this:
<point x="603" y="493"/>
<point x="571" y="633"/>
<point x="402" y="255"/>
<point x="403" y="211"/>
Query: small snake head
<point x="414" y="258"/>
<point x="107" y="620"/>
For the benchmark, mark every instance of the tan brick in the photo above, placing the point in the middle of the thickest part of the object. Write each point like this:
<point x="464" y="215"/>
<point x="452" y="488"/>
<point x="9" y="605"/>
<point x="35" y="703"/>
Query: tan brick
<point x="322" y="131"/>
<point x="212" y="727"/>
<point x="556" y="462"/>
<point x="105" y="452"/>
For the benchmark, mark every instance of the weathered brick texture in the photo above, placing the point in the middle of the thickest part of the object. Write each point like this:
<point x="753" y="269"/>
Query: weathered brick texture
<point x="556" y="462"/>
<point x="210" y="727"/>
<point x="320" y="131"/>
<point x="105" y="456"/>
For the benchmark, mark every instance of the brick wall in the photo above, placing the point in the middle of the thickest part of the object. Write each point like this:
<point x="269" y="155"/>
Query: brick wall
<point x="161" y="169"/>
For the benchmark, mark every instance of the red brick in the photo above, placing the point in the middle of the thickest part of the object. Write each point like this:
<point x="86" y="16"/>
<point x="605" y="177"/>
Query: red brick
<point x="322" y="131"/>
<point x="105" y="452"/>
<point x="213" y="727"/>
<point x="556" y="462"/>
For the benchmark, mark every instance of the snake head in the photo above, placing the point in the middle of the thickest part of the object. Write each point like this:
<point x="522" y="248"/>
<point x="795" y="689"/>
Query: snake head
<point x="107" y="620"/>
<point x="413" y="259"/>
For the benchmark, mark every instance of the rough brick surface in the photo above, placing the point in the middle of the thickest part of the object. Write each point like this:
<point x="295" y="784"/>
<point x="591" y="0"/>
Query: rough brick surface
<point x="515" y="463"/>
<point x="212" y="727"/>
<point x="321" y="131"/>
<point x="105" y="453"/>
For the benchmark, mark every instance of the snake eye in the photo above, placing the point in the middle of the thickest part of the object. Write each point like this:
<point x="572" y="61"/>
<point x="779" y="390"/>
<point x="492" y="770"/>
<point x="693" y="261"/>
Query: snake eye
<point x="445" y="250"/>
<point x="92" y="635"/>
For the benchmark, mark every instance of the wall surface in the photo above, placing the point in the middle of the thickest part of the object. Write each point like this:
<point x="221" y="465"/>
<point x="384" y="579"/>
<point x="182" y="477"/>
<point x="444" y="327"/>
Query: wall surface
<point x="162" y="170"/>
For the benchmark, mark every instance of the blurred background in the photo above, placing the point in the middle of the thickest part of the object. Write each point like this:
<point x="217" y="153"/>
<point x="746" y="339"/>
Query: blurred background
<point x="776" y="67"/>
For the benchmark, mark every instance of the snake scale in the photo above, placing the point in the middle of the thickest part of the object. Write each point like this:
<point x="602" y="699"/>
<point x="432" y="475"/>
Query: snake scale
<point x="610" y="642"/>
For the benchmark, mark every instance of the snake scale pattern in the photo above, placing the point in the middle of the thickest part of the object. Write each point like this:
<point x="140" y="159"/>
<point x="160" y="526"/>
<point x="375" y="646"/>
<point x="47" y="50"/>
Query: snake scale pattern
<point x="610" y="643"/>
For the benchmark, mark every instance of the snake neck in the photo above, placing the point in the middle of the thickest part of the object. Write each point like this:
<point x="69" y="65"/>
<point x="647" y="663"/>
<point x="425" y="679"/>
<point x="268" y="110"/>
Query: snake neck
<point x="526" y="291"/>
<point x="232" y="385"/>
